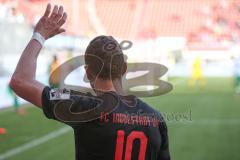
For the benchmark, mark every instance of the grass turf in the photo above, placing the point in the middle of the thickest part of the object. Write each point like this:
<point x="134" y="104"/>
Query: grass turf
<point x="211" y="134"/>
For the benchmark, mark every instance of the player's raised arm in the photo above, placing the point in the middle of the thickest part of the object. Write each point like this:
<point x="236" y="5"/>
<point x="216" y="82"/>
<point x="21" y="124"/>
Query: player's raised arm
<point x="23" y="81"/>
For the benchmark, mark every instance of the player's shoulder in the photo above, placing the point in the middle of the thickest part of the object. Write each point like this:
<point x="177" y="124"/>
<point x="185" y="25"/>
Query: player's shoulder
<point x="145" y="106"/>
<point x="58" y="93"/>
<point x="64" y="94"/>
<point x="148" y="108"/>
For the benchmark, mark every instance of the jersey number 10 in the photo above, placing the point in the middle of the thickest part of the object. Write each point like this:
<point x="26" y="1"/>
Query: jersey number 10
<point x="134" y="135"/>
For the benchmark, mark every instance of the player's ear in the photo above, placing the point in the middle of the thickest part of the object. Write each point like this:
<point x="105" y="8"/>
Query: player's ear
<point x="89" y="73"/>
<point x="124" y="68"/>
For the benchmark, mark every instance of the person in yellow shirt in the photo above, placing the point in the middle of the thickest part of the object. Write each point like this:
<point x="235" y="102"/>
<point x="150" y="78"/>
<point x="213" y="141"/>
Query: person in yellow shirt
<point x="197" y="73"/>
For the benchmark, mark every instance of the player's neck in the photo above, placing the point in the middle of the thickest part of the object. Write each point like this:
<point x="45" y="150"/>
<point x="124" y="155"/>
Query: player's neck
<point x="103" y="85"/>
<point x="118" y="86"/>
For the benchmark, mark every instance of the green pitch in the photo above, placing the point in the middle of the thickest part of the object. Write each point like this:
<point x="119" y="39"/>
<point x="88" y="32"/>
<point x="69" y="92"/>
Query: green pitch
<point x="203" y="123"/>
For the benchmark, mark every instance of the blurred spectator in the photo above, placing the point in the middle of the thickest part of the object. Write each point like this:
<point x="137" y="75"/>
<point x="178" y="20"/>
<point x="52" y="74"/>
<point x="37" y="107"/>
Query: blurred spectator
<point x="17" y="107"/>
<point x="222" y="19"/>
<point x="55" y="74"/>
<point x="10" y="13"/>
<point x="15" y="16"/>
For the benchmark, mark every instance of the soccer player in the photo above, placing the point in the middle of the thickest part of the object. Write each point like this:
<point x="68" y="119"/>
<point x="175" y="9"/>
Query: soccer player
<point x="107" y="126"/>
<point x="16" y="103"/>
<point x="197" y="73"/>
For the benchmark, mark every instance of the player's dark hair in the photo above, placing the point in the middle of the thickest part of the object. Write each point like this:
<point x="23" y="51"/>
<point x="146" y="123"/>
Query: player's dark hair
<point x="105" y="58"/>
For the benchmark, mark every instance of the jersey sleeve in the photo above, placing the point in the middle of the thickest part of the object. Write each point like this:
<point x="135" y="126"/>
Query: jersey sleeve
<point x="47" y="104"/>
<point x="63" y="105"/>
<point x="164" y="153"/>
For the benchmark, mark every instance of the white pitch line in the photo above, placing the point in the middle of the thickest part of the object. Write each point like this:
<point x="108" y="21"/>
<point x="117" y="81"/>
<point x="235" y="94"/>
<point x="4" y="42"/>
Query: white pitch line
<point x="34" y="143"/>
<point x="64" y="130"/>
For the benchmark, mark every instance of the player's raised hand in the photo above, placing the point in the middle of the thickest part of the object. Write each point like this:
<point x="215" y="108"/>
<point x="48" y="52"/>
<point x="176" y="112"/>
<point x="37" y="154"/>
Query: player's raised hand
<point x="51" y="22"/>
